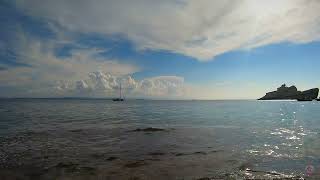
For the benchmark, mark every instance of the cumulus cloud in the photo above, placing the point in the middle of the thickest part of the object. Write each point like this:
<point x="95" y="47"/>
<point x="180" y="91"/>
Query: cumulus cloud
<point x="42" y="68"/>
<point x="85" y="73"/>
<point x="162" y="85"/>
<point x="197" y="28"/>
<point x="100" y="84"/>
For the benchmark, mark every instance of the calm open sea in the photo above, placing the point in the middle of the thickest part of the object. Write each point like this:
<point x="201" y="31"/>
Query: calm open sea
<point x="95" y="139"/>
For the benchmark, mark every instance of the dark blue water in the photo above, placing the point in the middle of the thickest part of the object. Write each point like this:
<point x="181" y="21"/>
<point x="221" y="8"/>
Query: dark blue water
<point x="83" y="139"/>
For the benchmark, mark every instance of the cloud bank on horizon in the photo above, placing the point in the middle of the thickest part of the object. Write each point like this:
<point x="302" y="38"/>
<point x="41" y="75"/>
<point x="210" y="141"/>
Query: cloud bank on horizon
<point x="99" y="84"/>
<point x="43" y="52"/>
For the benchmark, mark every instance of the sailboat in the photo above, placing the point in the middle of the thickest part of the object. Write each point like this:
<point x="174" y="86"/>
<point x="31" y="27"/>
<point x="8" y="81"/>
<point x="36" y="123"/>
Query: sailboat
<point x="119" y="98"/>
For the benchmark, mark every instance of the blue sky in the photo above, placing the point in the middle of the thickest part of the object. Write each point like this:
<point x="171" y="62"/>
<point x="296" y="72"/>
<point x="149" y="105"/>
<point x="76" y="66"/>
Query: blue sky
<point x="170" y="49"/>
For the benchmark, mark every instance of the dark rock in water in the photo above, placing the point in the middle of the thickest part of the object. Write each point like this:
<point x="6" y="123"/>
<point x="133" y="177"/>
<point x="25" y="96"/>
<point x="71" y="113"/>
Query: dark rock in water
<point x="135" y="164"/>
<point x="153" y="159"/>
<point x="180" y="154"/>
<point x="291" y="92"/>
<point x="87" y="168"/>
<point x="150" y="129"/>
<point x="215" y="151"/>
<point x="194" y="153"/>
<point x="112" y="158"/>
<point x="157" y="154"/>
<point x="200" y="152"/>
<point x="76" y="130"/>
<point x="66" y="165"/>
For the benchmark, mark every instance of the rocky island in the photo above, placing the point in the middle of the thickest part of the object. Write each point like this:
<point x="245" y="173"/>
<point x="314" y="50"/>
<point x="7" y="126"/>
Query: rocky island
<point x="291" y="92"/>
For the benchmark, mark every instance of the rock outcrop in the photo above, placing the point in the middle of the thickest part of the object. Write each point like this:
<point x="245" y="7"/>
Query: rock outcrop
<point x="291" y="92"/>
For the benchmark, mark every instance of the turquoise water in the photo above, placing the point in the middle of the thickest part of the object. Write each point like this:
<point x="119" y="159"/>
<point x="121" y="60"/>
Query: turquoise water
<point x="45" y="138"/>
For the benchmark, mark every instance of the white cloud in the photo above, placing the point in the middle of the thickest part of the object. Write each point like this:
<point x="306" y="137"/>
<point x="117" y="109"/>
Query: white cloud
<point x="163" y="86"/>
<point x="84" y="73"/>
<point x="44" y="69"/>
<point x="99" y="84"/>
<point x="198" y="28"/>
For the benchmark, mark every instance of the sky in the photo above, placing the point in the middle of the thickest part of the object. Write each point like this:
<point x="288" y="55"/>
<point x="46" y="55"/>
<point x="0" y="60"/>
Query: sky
<point x="169" y="49"/>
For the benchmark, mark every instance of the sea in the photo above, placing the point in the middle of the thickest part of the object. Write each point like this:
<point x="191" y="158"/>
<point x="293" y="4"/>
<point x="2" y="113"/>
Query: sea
<point x="159" y="139"/>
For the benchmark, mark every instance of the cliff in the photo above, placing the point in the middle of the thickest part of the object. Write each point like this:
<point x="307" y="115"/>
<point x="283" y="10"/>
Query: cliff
<point x="291" y="92"/>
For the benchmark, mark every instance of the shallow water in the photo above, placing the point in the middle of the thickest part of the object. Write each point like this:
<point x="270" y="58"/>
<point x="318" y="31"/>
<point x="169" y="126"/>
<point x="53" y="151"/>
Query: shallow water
<point x="83" y="139"/>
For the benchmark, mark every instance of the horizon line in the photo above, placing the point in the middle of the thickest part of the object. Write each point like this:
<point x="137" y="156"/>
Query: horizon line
<point x="110" y="98"/>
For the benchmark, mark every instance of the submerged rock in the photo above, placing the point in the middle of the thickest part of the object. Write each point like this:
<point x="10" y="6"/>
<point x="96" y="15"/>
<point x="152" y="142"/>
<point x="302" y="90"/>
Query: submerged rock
<point x="291" y="92"/>
<point x="194" y="153"/>
<point x="200" y="152"/>
<point x="135" y="164"/>
<point x="157" y="154"/>
<point x="150" y="129"/>
<point x="180" y="154"/>
<point x="112" y="158"/>
<point x="68" y="165"/>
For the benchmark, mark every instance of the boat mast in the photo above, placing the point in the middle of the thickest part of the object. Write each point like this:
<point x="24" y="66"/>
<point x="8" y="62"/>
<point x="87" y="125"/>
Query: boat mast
<point x="120" y="90"/>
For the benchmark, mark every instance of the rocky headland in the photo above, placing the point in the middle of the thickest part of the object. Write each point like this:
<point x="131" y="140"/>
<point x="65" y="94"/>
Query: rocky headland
<point x="291" y="92"/>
